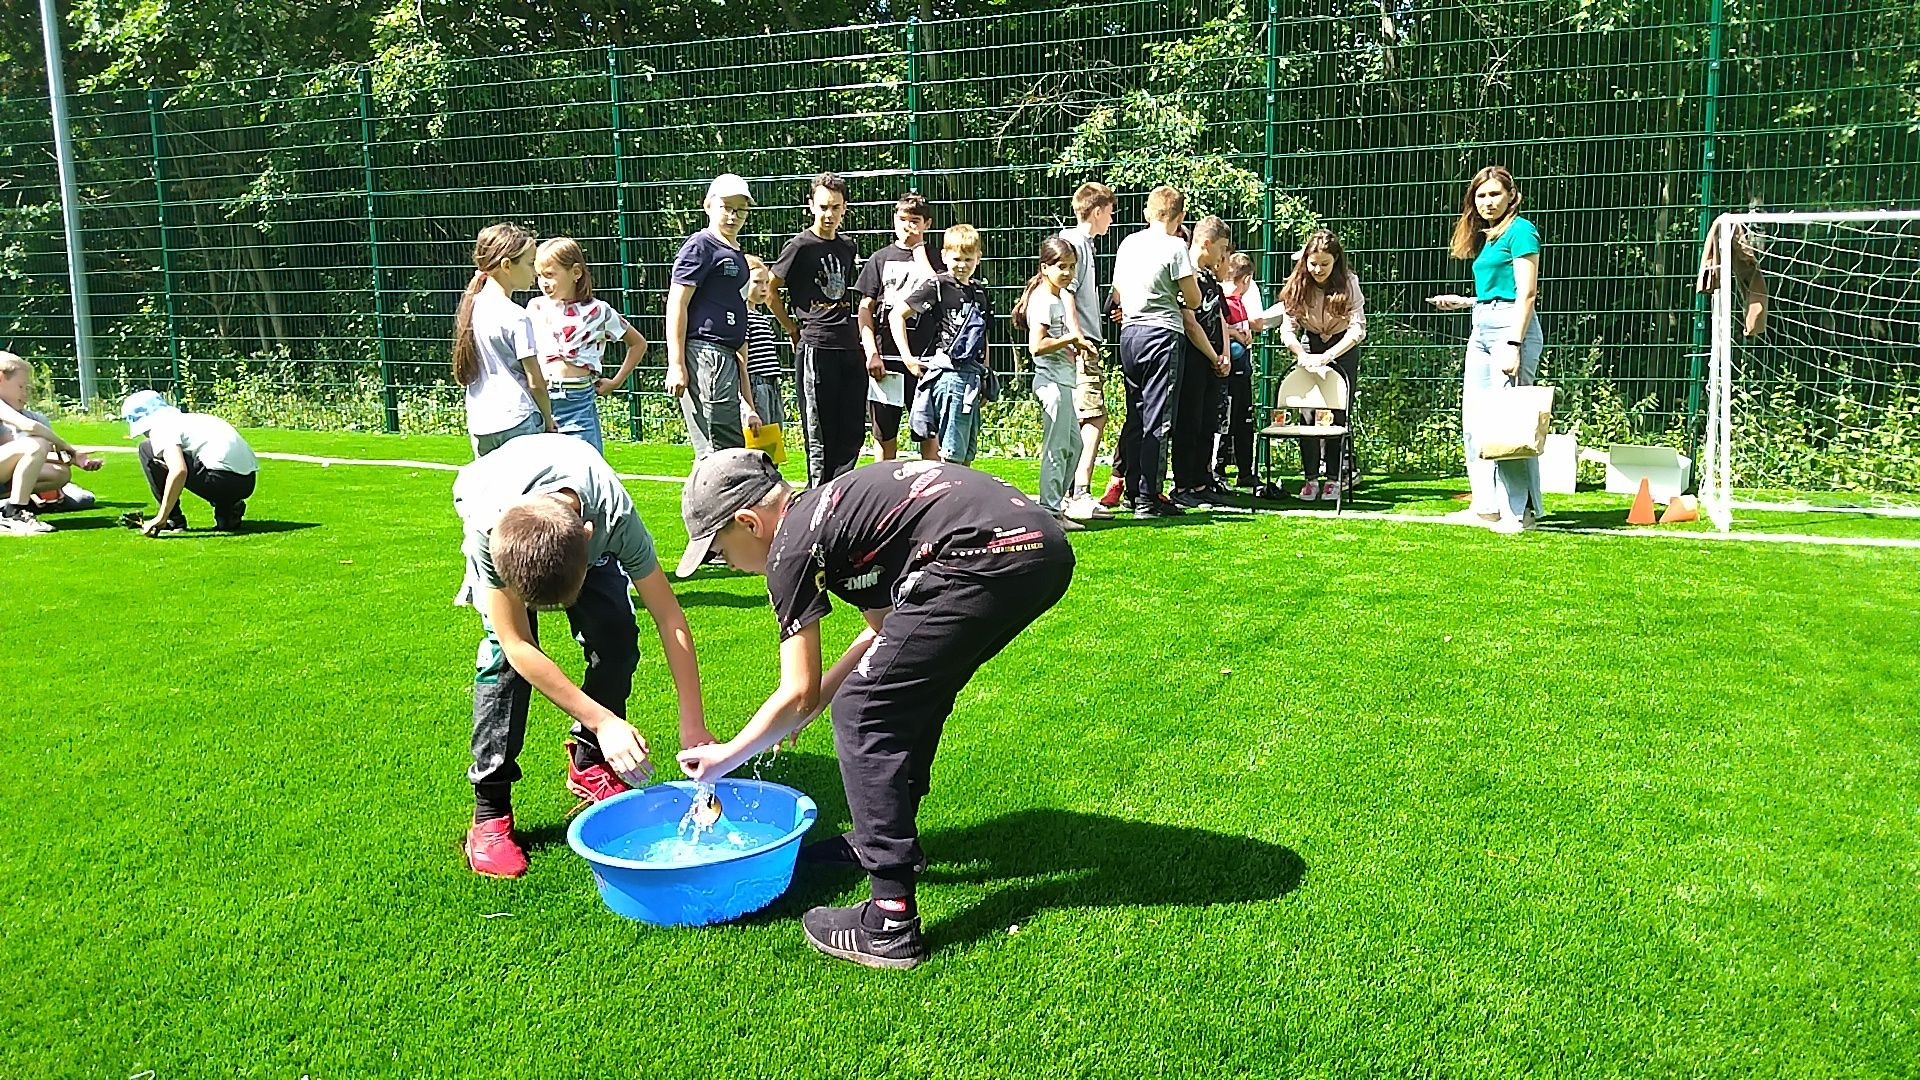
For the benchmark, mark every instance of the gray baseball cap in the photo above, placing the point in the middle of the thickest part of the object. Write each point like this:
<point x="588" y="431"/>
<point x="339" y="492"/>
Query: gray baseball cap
<point x="722" y="484"/>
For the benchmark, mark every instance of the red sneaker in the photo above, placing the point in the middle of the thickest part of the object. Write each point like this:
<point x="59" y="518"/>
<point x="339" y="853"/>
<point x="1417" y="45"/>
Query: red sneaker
<point x="1111" y="497"/>
<point x="491" y="850"/>
<point x="595" y="783"/>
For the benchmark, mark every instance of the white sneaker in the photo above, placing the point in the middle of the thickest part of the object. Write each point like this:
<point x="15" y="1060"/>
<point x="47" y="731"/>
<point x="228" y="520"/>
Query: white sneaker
<point x="1469" y="516"/>
<point x="1068" y="523"/>
<point x="18" y="521"/>
<point x="1085" y="508"/>
<point x="1507" y="526"/>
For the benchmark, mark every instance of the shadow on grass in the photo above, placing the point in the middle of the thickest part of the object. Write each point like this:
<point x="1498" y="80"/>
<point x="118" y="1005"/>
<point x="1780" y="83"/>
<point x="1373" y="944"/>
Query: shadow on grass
<point x="1039" y="859"/>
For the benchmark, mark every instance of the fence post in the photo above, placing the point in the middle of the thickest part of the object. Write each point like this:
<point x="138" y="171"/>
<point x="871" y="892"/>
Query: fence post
<point x="621" y="230"/>
<point x="913" y="102"/>
<point x="1261" y="402"/>
<point x="1709" y="153"/>
<point x="166" y="245"/>
<point x="389" y="395"/>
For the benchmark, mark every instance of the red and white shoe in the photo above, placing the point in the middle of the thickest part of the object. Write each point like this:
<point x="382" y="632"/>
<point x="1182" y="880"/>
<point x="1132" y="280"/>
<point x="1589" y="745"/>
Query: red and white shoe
<point x="595" y="783"/>
<point x="492" y="852"/>
<point x="1111" y="497"/>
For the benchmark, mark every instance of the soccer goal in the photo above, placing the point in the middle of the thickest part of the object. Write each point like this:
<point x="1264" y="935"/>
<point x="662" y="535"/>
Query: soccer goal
<point x="1814" y="383"/>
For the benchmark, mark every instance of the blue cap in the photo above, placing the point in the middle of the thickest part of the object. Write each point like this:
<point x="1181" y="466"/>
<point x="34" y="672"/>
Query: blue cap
<point x="141" y="409"/>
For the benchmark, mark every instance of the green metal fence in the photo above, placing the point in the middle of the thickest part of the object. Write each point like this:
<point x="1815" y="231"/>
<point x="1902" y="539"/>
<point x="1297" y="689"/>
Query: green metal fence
<point x="293" y="247"/>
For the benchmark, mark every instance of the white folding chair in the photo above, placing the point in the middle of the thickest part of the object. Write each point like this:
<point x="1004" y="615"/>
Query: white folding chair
<point x="1302" y="390"/>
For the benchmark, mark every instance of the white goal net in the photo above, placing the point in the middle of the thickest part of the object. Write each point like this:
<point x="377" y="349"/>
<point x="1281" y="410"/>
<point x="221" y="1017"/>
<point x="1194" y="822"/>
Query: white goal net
<point x="1814" y="386"/>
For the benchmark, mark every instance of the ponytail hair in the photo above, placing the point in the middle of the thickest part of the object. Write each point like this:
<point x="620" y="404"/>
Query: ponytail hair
<point x="1300" y="283"/>
<point x="493" y="248"/>
<point x="1052" y="250"/>
<point x="564" y="252"/>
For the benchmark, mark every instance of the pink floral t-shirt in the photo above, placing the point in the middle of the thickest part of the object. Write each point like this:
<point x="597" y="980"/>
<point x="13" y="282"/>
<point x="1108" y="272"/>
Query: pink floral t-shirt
<point x="573" y="332"/>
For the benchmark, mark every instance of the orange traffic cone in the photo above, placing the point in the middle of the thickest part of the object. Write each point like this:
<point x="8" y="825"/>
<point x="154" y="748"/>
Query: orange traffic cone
<point x="1682" y="508"/>
<point x="1642" y="512"/>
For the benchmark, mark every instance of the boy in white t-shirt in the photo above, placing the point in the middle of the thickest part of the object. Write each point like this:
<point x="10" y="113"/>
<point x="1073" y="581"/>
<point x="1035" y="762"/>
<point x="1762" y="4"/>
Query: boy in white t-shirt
<point x="191" y="452"/>
<point x="1154" y="277"/>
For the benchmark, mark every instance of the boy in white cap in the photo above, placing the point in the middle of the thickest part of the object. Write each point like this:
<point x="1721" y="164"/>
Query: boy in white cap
<point x="192" y="452"/>
<point x="948" y="565"/>
<point x="707" y="322"/>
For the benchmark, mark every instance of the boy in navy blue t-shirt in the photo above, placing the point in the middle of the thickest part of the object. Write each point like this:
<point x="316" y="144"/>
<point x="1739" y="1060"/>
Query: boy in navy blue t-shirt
<point x="707" y="322"/>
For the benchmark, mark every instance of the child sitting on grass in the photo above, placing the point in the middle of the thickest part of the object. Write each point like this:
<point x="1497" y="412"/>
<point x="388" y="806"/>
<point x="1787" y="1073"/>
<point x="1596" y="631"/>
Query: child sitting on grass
<point x="32" y="457"/>
<point x="954" y="378"/>
<point x="540" y="514"/>
<point x="948" y="566"/>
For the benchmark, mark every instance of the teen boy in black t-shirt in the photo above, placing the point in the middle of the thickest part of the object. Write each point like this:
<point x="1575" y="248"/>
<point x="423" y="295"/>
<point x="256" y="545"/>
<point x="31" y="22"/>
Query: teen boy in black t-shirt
<point x="948" y="565"/>
<point x="888" y="276"/>
<point x="817" y="267"/>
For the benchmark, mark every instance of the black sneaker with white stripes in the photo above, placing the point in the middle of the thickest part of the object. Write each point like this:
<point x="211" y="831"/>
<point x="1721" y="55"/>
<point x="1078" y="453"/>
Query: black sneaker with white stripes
<point x="844" y="933"/>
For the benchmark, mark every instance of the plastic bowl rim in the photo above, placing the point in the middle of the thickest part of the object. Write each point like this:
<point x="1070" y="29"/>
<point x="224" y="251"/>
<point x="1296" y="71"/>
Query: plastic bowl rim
<point x="803" y="805"/>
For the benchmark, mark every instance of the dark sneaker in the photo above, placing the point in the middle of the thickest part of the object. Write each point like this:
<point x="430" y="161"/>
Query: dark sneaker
<point x="843" y="933"/>
<point x="595" y="783"/>
<point x="838" y="851"/>
<point x="231" y="519"/>
<point x="1155" y="508"/>
<point x="491" y="849"/>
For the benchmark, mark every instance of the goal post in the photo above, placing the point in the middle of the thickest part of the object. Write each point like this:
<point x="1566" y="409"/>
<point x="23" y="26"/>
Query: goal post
<point x="1814" y="368"/>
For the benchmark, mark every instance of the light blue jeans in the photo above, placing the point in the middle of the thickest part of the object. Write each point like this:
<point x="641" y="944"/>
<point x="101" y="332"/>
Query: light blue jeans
<point x="1509" y="488"/>
<point x="576" y="410"/>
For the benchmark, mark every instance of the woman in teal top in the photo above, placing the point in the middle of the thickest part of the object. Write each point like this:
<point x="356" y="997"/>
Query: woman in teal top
<point x="1504" y="348"/>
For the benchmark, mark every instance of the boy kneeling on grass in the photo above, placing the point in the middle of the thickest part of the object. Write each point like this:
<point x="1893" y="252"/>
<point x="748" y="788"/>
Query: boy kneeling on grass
<point x="548" y="526"/>
<point x="948" y="565"/>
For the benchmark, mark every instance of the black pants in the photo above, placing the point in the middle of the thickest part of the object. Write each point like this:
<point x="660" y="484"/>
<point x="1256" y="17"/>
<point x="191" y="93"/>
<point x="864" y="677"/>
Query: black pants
<point x="885" y="418"/>
<point x="603" y="624"/>
<point x="1149" y="366"/>
<point x="1236" y="429"/>
<point x="1194" y="422"/>
<point x="832" y="390"/>
<point x="1320" y="454"/>
<point x="888" y="715"/>
<point x="223" y="489"/>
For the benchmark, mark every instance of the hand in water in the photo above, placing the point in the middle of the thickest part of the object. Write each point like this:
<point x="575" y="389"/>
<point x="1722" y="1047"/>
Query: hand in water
<point x="625" y="750"/>
<point x="704" y="764"/>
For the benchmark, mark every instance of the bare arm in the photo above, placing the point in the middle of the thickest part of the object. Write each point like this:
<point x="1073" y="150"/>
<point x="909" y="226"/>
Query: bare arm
<point x="1197" y="336"/>
<point x="1526" y="287"/>
<point x="870" y="336"/>
<point x="636" y="344"/>
<point x="898" y="320"/>
<point x="537" y="382"/>
<point x="678" y="298"/>
<point x="778" y="309"/>
<point x="176" y="460"/>
<point x="676" y="642"/>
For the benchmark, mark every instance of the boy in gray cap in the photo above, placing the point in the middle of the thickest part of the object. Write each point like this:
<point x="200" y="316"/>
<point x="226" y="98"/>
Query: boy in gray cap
<point x="948" y="565"/>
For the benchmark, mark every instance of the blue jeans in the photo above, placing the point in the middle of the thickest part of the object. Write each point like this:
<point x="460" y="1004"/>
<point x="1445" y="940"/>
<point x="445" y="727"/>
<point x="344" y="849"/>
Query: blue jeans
<point x="1509" y="488"/>
<point x="946" y="406"/>
<point x="576" y="410"/>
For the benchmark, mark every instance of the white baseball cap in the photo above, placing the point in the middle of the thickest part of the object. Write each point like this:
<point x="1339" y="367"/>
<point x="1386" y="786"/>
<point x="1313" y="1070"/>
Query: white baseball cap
<point x="729" y="184"/>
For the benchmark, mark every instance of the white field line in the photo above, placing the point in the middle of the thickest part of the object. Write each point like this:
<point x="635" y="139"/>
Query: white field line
<point x="1355" y="515"/>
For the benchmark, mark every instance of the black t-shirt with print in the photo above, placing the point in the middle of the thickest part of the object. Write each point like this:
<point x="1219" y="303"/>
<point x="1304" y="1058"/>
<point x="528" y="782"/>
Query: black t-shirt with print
<point x="962" y="316"/>
<point x="819" y="278"/>
<point x="1213" y="301"/>
<point x="888" y="277"/>
<point x="864" y="534"/>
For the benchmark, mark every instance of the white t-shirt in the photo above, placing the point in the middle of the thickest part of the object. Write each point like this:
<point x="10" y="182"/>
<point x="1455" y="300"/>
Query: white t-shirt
<point x="1046" y="309"/>
<point x="573" y="332"/>
<point x="1146" y="273"/>
<point x="500" y="397"/>
<point x="206" y="439"/>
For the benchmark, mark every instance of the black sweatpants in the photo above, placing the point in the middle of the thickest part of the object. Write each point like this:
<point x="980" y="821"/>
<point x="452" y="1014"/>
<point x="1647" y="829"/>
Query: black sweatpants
<point x="1236" y="430"/>
<point x="223" y="489"/>
<point x="1194" y="420"/>
<point x="603" y="624"/>
<point x="832" y="391"/>
<point x="1149" y="366"/>
<point x="888" y="715"/>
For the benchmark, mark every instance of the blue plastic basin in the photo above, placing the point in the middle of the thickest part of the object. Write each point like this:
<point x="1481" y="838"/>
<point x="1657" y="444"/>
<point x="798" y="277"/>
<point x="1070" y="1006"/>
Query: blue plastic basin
<point x="724" y="883"/>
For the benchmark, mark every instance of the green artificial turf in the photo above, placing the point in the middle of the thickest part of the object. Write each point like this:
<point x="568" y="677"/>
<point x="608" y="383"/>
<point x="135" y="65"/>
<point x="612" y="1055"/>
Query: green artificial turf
<point x="1263" y="796"/>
